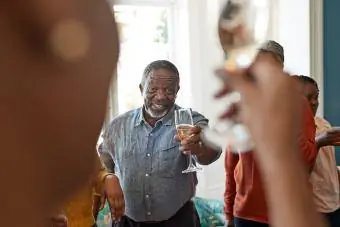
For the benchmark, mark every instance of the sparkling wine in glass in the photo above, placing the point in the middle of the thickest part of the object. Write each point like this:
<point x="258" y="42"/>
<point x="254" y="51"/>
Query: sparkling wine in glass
<point x="242" y="27"/>
<point x="184" y="122"/>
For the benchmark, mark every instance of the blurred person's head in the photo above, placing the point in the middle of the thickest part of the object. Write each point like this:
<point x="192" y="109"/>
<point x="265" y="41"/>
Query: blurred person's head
<point x="159" y="87"/>
<point x="309" y="88"/>
<point x="271" y="51"/>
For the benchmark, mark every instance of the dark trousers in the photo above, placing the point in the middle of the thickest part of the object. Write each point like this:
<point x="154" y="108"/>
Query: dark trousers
<point x="239" y="222"/>
<point x="187" y="216"/>
<point x="333" y="218"/>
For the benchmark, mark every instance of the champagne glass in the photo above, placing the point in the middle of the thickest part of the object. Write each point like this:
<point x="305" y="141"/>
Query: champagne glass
<point x="184" y="122"/>
<point x="242" y="26"/>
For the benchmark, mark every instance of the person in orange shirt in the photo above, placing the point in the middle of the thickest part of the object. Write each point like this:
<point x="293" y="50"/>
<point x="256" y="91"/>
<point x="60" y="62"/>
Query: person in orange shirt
<point x="83" y="208"/>
<point x="245" y="202"/>
<point x="325" y="175"/>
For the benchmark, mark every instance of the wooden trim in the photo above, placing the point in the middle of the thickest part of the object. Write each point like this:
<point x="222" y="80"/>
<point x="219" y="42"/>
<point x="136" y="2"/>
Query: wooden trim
<point x="316" y="48"/>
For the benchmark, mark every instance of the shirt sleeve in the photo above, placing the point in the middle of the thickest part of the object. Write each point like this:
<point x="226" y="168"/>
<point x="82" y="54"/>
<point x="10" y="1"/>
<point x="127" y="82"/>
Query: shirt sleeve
<point x="307" y="136"/>
<point x="231" y="160"/>
<point x="203" y="122"/>
<point x="106" y="149"/>
<point x="199" y="119"/>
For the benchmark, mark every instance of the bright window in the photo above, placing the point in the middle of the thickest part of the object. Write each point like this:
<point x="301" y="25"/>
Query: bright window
<point x="144" y="37"/>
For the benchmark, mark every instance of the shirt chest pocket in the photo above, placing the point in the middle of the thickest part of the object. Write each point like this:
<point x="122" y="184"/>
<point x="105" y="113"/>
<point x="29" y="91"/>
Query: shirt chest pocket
<point x="126" y="156"/>
<point x="129" y="167"/>
<point x="170" y="161"/>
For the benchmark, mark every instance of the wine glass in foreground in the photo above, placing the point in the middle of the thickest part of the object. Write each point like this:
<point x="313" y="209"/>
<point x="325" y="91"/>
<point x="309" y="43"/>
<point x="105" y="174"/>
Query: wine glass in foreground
<point x="184" y="122"/>
<point x="242" y="26"/>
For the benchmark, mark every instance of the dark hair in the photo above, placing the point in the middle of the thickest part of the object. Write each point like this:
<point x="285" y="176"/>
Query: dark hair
<point x="159" y="64"/>
<point x="307" y="80"/>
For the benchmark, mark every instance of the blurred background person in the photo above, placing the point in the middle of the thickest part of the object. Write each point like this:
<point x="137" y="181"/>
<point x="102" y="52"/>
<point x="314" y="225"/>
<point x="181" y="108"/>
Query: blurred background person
<point x="245" y="202"/>
<point x="325" y="174"/>
<point x="271" y="110"/>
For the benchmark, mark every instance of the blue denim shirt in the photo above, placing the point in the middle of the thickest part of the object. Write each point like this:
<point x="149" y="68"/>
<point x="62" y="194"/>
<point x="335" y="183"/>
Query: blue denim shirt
<point x="149" y="165"/>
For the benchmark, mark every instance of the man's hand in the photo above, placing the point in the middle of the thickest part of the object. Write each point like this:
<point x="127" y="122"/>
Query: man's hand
<point x="191" y="144"/>
<point x="59" y="221"/>
<point x="329" y="138"/>
<point x="114" y="195"/>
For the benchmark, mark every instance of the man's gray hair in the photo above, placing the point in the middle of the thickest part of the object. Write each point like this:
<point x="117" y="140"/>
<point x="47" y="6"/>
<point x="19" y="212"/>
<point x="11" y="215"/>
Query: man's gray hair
<point x="159" y="64"/>
<point x="274" y="48"/>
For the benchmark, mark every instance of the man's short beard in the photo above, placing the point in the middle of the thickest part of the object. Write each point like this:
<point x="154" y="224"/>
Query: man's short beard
<point x="154" y="115"/>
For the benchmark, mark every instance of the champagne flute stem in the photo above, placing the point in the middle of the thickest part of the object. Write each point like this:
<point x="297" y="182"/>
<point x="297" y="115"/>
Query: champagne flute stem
<point x="190" y="160"/>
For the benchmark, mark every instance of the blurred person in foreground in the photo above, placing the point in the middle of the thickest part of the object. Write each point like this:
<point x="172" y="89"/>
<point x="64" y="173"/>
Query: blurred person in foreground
<point x="245" y="202"/>
<point x="57" y="60"/>
<point x="44" y="128"/>
<point x="325" y="174"/>
<point x="273" y="113"/>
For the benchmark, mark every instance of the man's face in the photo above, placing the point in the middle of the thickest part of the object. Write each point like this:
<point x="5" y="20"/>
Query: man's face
<point x="267" y="56"/>
<point x="159" y="92"/>
<point x="311" y="93"/>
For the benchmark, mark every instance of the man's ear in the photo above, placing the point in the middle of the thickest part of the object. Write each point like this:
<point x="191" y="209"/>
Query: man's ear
<point x="141" y="88"/>
<point x="178" y="87"/>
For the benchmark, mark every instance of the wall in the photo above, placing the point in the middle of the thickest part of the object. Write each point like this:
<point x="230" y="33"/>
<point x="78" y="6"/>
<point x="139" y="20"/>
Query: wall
<point x="292" y="31"/>
<point x="205" y="56"/>
<point x="331" y="63"/>
<point x="291" y="25"/>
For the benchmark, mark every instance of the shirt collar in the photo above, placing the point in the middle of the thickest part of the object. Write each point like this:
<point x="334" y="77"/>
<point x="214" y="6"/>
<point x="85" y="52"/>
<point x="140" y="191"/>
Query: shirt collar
<point x="167" y="120"/>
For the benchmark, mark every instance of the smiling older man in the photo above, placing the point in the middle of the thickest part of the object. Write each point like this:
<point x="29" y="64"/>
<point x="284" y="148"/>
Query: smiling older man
<point x="148" y="159"/>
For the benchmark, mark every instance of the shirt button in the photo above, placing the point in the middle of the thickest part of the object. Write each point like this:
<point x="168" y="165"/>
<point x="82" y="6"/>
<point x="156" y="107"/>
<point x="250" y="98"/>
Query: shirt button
<point x="148" y="154"/>
<point x="148" y="213"/>
<point x="146" y="174"/>
<point x="147" y="196"/>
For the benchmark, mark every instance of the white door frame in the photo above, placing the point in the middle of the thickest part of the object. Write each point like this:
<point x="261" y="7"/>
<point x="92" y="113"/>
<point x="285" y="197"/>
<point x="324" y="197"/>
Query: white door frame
<point x="316" y="47"/>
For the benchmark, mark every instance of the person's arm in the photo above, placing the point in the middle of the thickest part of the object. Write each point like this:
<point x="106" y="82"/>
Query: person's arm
<point x="105" y="167"/>
<point x="111" y="185"/>
<point x="328" y="136"/>
<point x="319" y="143"/>
<point x="205" y="155"/>
<point x="307" y="144"/>
<point x="98" y="189"/>
<point x="101" y="173"/>
<point x="231" y="160"/>
<point x="98" y="194"/>
<point x="289" y="195"/>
